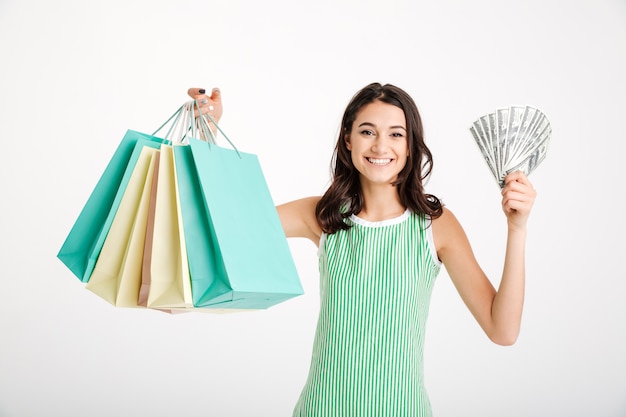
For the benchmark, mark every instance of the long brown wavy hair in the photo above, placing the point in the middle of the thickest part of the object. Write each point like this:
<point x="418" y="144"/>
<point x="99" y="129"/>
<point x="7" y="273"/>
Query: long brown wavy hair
<point x="344" y="197"/>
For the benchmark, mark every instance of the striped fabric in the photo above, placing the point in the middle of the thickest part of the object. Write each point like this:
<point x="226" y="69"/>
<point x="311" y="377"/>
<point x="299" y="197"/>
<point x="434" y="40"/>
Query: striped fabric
<point x="376" y="281"/>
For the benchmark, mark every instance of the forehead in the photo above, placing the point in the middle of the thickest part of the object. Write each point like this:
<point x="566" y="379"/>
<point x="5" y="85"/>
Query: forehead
<point x="380" y="113"/>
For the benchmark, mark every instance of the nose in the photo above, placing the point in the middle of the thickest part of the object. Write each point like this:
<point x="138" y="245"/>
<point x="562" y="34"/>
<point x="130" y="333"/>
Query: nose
<point x="380" y="145"/>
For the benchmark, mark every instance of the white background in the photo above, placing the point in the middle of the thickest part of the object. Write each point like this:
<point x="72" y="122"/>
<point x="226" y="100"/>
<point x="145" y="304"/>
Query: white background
<point x="75" y="75"/>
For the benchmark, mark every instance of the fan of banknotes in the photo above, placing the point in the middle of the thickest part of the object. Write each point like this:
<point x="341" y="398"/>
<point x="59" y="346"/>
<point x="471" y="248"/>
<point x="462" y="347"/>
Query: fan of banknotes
<point x="512" y="139"/>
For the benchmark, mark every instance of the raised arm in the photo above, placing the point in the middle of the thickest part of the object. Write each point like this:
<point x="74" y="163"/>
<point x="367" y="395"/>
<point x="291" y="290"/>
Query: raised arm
<point x="298" y="219"/>
<point x="499" y="313"/>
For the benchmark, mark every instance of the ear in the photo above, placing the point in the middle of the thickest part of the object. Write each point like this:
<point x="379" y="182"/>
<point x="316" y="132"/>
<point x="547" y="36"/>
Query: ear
<point x="347" y="140"/>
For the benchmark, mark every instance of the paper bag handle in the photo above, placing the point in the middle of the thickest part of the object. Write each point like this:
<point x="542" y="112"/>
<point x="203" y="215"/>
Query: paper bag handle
<point x="185" y="121"/>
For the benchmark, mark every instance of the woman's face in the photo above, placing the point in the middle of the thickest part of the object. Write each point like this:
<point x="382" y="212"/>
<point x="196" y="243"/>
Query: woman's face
<point x="378" y="143"/>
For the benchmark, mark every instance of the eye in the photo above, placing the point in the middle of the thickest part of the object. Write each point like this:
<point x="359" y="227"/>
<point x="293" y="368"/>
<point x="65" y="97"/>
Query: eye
<point x="367" y="132"/>
<point x="397" y="135"/>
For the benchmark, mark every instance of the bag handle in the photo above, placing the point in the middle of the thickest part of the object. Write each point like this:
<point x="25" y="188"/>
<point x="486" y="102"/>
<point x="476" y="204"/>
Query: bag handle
<point x="199" y="123"/>
<point x="187" y="124"/>
<point x="181" y="125"/>
<point x="176" y="117"/>
<point x="206" y="128"/>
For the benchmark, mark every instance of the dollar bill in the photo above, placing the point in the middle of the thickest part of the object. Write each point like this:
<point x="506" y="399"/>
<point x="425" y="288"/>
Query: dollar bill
<point x="482" y="140"/>
<point x="512" y="139"/>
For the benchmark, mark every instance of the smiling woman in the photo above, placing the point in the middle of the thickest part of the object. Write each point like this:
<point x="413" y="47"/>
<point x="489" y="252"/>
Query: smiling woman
<point x="382" y="241"/>
<point x="381" y="111"/>
<point x="378" y="146"/>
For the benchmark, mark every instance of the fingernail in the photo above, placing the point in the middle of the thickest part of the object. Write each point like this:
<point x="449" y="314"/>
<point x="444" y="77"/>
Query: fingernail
<point x="202" y="91"/>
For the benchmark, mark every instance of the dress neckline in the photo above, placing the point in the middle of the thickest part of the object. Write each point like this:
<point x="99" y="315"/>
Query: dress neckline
<point x="387" y="222"/>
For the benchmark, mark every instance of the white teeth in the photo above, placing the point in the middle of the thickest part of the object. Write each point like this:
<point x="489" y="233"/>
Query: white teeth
<point x="379" y="161"/>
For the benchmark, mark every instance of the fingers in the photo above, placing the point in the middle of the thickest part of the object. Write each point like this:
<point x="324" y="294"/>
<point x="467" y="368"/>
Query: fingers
<point x="211" y="105"/>
<point x="517" y="182"/>
<point x="195" y="93"/>
<point x="517" y="176"/>
<point x="200" y="93"/>
<point x="516" y="203"/>
<point x="518" y="194"/>
<point x="216" y="95"/>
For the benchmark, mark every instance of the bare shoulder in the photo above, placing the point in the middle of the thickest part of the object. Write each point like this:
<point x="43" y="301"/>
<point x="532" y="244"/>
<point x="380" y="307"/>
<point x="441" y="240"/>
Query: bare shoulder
<point x="447" y="230"/>
<point x="445" y="221"/>
<point x="299" y="220"/>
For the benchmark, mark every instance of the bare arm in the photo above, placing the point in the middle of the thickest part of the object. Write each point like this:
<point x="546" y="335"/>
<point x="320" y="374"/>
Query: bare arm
<point x="499" y="313"/>
<point x="298" y="219"/>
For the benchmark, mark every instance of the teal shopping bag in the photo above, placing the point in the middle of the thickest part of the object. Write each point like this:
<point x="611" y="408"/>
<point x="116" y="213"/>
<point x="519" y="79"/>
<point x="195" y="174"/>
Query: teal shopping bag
<point x="83" y="244"/>
<point x="237" y="251"/>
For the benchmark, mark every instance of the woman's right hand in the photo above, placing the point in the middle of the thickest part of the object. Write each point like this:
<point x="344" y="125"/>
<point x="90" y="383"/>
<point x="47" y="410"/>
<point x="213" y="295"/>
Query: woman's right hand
<point x="211" y="105"/>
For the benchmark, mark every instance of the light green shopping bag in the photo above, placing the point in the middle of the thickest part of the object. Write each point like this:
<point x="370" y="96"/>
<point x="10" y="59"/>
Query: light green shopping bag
<point x="84" y="242"/>
<point x="238" y="254"/>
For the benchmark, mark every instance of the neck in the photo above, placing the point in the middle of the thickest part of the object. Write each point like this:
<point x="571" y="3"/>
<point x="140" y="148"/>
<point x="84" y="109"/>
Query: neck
<point x="380" y="202"/>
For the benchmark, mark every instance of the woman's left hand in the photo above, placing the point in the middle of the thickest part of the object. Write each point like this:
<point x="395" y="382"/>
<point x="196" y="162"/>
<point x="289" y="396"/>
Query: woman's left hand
<point x="518" y="197"/>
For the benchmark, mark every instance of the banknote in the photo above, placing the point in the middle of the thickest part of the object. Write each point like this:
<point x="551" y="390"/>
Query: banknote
<point x="512" y="139"/>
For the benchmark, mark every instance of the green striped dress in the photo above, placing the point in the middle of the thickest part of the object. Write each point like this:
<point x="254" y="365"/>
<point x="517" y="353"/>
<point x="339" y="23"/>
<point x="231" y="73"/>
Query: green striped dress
<point x="376" y="279"/>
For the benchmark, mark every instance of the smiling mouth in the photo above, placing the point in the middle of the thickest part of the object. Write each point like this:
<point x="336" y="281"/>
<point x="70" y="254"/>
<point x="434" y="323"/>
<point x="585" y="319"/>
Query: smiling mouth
<point x="379" y="161"/>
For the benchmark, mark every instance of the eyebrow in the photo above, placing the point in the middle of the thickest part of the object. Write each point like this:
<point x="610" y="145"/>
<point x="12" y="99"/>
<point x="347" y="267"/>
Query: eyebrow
<point x="373" y="125"/>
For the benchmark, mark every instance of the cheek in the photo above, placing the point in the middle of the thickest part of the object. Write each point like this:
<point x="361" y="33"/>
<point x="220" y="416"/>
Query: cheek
<point x="354" y="159"/>
<point x="404" y="162"/>
<point x="403" y="151"/>
<point x="405" y="157"/>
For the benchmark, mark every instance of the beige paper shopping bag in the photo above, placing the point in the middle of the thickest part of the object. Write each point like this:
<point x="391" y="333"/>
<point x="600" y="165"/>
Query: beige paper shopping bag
<point x="169" y="280"/>
<point x="144" y="289"/>
<point x="117" y="273"/>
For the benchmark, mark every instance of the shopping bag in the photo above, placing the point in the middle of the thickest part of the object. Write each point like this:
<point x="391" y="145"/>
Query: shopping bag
<point x="146" y="260"/>
<point x="117" y="273"/>
<point x="169" y="281"/>
<point x="237" y="250"/>
<point x="205" y="266"/>
<point x="82" y="246"/>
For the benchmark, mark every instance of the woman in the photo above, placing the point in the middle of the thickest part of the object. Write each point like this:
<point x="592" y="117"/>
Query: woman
<point x="382" y="241"/>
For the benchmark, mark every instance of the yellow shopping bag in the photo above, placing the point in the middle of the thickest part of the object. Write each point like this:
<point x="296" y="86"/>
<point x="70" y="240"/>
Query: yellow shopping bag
<point x="117" y="273"/>
<point x="169" y="280"/>
<point x="144" y="289"/>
